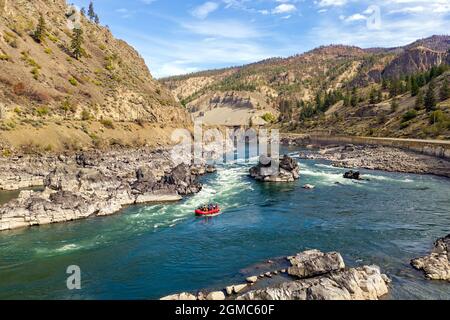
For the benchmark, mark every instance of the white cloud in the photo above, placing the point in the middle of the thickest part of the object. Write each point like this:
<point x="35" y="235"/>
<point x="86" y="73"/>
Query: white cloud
<point x="204" y="10"/>
<point x="417" y="9"/>
<point x="417" y="6"/>
<point x="355" y="17"/>
<point x="392" y="32"/>
<point x="331" y="3"/>
<point x="223" y="28"/>
<point x="125" y="13"/>
<point x="171" y="69"/>
<point x="284" y="8"/>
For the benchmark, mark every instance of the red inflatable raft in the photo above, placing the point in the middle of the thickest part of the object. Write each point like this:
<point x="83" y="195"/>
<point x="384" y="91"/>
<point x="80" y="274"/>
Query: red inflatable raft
<point x="210" y="213"/>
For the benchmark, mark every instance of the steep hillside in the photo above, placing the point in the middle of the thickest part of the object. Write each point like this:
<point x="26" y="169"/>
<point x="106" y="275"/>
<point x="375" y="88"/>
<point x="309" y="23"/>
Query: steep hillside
<point x="292" y="87"/>
<point x="397" y="116"/>
<point x="416" y="59"/>
<point x="43" y="82"/>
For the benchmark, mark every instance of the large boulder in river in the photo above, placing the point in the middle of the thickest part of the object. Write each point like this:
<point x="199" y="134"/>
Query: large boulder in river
<point x="182" y="179"/>
<point x="436" y="265"/>
<point x="313" y="263"/>
<point x="353" y="175"/>
<point x="287" y="170"/>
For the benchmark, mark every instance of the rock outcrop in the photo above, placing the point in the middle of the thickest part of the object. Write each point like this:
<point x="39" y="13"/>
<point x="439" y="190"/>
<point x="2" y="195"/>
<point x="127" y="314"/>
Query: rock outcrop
<point x="94" y="184"/>
<point x="314" y="276"/>
<point x="25" y="171"/>
<point x="286" y="171"/>
<point x="436" y="265"/>
<point x="365" y="283"/>
<point x="417" y="59"/>
<point x="314" y="263"/>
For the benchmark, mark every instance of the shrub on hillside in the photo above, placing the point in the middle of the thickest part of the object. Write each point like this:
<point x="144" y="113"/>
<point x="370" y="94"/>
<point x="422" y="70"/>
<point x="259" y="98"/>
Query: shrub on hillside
<point x="107" y="123"/>
<point x="438" y="117"/>
<point x="73" y="81"/>
<point x="268" y="117"/>
<point x="42" y="111"/>
<point x="411" y="114"/>
<point x="85" y="115"/>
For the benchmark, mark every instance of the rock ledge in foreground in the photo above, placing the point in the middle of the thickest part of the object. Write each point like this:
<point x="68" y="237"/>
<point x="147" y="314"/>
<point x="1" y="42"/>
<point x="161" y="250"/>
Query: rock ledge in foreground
<point x="315" y="276"/>
<point x="436" y="265"/>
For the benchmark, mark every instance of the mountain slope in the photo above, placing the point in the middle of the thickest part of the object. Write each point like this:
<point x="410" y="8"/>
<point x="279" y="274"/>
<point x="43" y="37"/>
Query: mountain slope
<point x="329" y="72"/>
<point x="51" y="101"/>
<point x="42" y="82"/>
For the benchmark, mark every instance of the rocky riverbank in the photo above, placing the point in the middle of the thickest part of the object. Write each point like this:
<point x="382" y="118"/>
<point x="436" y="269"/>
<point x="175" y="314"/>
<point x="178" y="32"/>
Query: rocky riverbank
<point x="311" y="275"/>
<point x="436" y="265"/>
<point x="92" y="184"/>
<point x="379" y="158"/>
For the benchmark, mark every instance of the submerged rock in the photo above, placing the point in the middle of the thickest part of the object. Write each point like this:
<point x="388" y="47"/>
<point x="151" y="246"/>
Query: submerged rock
<point x="436" y="265"/>
<point x="354" y="175"/>
<point x="286" y="171"/>
<point x="252" y="279"/>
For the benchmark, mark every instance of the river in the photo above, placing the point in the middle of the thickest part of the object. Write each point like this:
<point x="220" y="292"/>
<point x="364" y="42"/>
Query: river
<point x="153" y="250"/>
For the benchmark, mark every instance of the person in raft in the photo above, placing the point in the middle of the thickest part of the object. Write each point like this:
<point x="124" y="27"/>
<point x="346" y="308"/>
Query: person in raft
<point x="209" y="207"/>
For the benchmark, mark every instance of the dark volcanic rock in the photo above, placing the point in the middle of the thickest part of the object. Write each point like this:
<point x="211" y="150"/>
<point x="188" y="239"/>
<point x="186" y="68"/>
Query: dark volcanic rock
<point x="354" y="175"/>
<point x="287" y="171"/>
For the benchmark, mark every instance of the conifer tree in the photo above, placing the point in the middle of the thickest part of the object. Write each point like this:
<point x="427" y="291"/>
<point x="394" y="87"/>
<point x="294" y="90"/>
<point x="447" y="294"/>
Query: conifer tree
<point x="354" y="100"/>
<point x="379" y="96"/>
<point x="91" y="12"/>
<point x="77" y="42"/>
<point x="373" y="96"/>
<point x="430" y="99"/>
<point x="444" y="93"/>
<point x="40" y="31"/>
<point x="394" y="105"/>
<point x="419" y="105"/>
<point x="414" y="87"/>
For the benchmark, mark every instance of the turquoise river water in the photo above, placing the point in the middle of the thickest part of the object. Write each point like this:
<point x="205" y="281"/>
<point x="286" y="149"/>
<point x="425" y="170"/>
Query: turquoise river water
<point x="150" y="251"/>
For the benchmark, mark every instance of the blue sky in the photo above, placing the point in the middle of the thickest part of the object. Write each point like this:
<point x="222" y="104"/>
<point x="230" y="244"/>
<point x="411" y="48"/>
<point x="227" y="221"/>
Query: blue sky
<point x="181" y="36"/>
